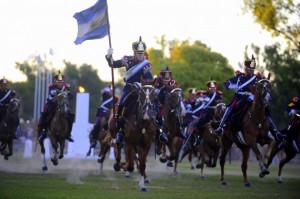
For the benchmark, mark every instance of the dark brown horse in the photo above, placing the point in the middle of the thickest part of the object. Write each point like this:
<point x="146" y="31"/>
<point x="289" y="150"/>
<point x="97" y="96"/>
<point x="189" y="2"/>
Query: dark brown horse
<point x="210" y="145"/>
<point x="58" y="129"/>
<point x="253" y="130"/>
<point x="8" y="127"/>
<point x="291" y="146"/>
<point x="173" y="121"/>
<point x="140" y="130"/>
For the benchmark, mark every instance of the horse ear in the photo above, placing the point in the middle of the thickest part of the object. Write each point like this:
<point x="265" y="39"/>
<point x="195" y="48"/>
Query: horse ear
<point x="269" y="75"/>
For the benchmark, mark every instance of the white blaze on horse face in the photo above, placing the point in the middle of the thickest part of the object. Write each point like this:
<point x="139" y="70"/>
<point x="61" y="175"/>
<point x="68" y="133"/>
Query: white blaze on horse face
<point x="146" y="115"/>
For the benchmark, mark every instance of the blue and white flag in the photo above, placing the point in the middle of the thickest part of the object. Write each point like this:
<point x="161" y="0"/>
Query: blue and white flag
<point x="92" y="22"/>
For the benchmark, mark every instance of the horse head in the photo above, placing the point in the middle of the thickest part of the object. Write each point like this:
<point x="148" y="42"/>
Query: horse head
<point x="14" y="106"/>
<point x="174" y="98"/>
<point x="219" y="111"/>
<point x="62" y="102"/>
<point x="146" y="99"/>
<point x="263" y="91"/>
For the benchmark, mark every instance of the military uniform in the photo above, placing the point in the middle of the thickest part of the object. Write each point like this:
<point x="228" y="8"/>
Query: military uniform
<point x="293" y="109"/>
<point x="49" y="108"/>
<point x="135" y="70"/>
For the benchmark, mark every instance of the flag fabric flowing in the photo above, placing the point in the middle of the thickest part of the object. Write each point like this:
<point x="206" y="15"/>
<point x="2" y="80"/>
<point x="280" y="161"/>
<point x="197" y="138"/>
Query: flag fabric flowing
<point x="92" y="22"/>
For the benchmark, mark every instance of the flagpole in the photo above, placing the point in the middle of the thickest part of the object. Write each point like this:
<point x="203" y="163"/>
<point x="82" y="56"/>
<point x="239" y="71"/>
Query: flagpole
<point x="112" y="68"/>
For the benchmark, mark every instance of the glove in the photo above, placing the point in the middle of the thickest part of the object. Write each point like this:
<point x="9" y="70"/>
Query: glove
<point x="53" y="92"/>
<point x="233" y="86"/>
<point x="292" y="112"/>
<point x="109" y="52"/>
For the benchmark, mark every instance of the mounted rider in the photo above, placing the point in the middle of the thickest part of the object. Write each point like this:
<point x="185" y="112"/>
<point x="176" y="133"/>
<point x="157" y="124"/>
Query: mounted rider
<point x="164" y="79"/>
<point x="50" y="107"/>
<point x="210" y="98"/>
<point x="102" y="112"/>
<point x="137" y="66"/>
<point x="6" y="94"/>
<point x="242" y="100"/>
<point x="190" y="104"/>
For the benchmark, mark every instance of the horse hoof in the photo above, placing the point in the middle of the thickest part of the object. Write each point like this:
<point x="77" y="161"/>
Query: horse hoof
<point x="169" y="164"/>
<point x="147" y="181"/>
<point x="279" y="180"/>
<point x="176" y="173"/>
<point x="162" y="160"/>
<point x="144" y="189"/>
<point x="202" y="176"/>
<point x="117" y="167"/>
<point x="127" y="174"/>
<point x="60" y="157"/>
<point x="6" y="157"/>
<point x="247" y="184"/>
<point x="198" y="166"/>
<point x="265" y="171"/>
<point x="44" y="168"/>
<point x="223" y="182"/>
<point x="100" y="161"/>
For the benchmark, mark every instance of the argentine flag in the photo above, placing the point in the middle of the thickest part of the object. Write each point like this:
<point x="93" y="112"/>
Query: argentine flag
<point x="92" y="22"/>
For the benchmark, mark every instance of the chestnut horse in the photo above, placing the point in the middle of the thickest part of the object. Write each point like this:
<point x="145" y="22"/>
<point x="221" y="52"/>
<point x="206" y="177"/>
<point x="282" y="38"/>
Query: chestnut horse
<point x="291" y="146"/>
<point x="58" y="129"/>
<point x="173" y="122"/>
<point x="252" y="130"/>
<point x="140" y="130"/>
<point x="8" y="127"/>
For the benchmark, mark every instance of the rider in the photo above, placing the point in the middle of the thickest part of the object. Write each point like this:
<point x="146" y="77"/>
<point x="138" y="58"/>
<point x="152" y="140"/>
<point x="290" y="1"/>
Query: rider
<point x="293" y="109"/>
<point x="163" y="80"/>
<point x="137" y="66"/>
<point x="210" y="98"/>
<point x="243" y="97"/>
<point x="102" y="112"/>
<point x="49" y="108"/>
<point x="190" y="104"/>
<point x="6" y="94"/>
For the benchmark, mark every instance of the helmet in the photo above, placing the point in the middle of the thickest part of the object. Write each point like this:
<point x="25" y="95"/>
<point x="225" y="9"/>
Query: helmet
<point x="192" y="90"/>
<point x="59" y="77"/>
<point x="211" y="84"/>
<point x="3" y="81"/>
<point x="106" y="89"/>
<point x="139" y="46"/>
<point x="166" y="73"/>
<point x="250" y="63"/>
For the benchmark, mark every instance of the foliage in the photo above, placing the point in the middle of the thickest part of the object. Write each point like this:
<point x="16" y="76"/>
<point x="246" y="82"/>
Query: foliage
<point x="279" y="17"/>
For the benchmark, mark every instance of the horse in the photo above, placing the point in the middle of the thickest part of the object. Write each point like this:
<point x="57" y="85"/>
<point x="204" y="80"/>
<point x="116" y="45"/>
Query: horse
<point x="291" y="146"/>
<point x="210" y="144"/>
<point x="253" y="129"/>
<point x="59" y="128"/>
<point x="8" y="127"/>
<point x="140" y="130"/>
<point x="172" y="122"/>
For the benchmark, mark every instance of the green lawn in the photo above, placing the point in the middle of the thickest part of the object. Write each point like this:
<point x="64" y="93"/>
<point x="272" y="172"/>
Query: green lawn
<point x="81" y="178"/>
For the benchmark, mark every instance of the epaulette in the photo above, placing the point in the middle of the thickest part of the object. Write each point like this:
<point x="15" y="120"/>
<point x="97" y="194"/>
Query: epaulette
<point x="295" y="99"/>
<point x="239" y="72"/>
<point x="258" y="75"/>
<point x="127" y="58"/>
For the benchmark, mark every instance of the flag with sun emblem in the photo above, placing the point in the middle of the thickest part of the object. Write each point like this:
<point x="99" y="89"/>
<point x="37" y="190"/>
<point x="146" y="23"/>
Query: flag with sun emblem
<point x="92" y="22"/>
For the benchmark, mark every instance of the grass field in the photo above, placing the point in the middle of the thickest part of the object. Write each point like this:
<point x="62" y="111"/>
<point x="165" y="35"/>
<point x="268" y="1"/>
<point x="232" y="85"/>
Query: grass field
<point x="81" y="178"/>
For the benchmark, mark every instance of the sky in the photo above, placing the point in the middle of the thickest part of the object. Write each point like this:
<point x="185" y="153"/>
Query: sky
<point x="33" y="27"/>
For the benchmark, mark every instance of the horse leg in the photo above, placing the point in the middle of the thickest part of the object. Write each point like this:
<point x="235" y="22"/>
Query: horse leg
<point x="163" y="155"/>
<point x="215" y="158"/>
<point x="54" y="147"/>
<point x="44" y="168"/>
<point x="117" y="164"/>
<point x="268" y="153"/>
<point x="226" y="144"/>
<point x="288" y="157"/>
<point x="244" y="166"/>
<point x="202" y="152"/>
<point x="61" y="151"/>
<point x="263" y="169"/>
<point x="142" y="160"/>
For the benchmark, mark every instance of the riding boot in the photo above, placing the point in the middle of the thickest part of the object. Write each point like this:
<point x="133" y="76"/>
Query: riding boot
<point x="95" y="135"/>
<point x="71" y="118"/>
<point x="223" y="122"/>
<point x="42" y="127"/>
<point x="120" y="125"/>
<point x="278" y="136"/>
<point x="162" y="137"/>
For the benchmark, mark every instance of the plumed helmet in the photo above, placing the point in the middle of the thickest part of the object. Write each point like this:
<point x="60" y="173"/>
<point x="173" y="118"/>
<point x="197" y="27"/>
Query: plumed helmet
<point x="106" y="89"/>
<point x="139" y="46"/>
<point x="166" y="73"/>
<point x="4" y="81"/>
<point x="59" y="77"/>
<point x="192" y="90"/>
<point x="211" y="84"/>
<point x="250" y="63"/>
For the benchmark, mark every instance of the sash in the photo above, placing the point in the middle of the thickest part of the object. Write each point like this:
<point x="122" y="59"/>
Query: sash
<point x="133" y="70"/>
<point x="106" y="102"/>
<point x="246" y="83"/>
<point x="7" y="94"/>
<point x="211" y="99"/>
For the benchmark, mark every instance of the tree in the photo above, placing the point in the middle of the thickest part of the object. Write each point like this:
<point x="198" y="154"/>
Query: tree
<point x="279" y="17"/>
